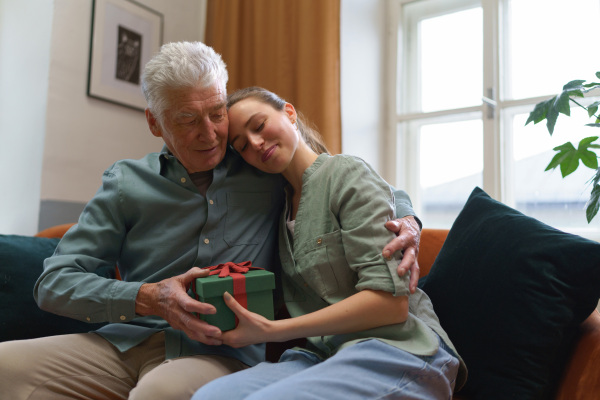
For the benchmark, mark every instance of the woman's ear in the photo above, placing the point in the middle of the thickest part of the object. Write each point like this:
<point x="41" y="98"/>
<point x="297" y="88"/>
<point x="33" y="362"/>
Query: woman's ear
<point x="153" y="123"/>
<point x="291" y="112"/>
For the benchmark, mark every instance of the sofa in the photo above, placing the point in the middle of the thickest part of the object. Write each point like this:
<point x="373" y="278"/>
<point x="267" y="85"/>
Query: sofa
<point x="568" y="367"/>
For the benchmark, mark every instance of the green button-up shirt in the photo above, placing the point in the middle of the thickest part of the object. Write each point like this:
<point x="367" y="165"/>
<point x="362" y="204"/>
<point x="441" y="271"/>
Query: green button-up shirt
<point x="335" y="252"/>
<point x="150" y="220"/>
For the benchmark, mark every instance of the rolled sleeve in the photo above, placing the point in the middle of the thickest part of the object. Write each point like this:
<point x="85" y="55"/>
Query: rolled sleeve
<point x="365" y="203"/>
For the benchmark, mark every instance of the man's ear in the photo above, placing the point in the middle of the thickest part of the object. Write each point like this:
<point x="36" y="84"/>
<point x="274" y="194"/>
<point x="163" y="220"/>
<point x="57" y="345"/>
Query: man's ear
<point x="291" y="112"/>
<point x="153" y="123"/>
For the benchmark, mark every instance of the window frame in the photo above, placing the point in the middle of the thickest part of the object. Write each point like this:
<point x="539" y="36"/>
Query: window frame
<point x="402" y="148"/>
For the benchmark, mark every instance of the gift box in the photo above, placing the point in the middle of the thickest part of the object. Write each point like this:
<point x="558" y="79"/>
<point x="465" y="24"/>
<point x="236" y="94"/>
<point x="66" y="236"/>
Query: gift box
<point x="252" y="287"/>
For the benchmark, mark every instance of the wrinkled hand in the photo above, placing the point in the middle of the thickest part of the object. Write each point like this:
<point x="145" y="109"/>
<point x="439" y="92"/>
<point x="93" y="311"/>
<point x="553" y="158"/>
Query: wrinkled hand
<point x="252" y="328"/>
<point x="407" y="239"/>
<point x="169" y="300"/>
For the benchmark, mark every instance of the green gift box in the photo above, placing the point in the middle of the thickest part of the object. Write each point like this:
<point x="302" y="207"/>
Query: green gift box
<point x="252" y="287"/>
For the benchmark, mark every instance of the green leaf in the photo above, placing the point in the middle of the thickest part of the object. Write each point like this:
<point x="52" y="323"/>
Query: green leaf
<point x="598" y="74"/>
<point x="593" y="204"/>
<point x="539" y="112"/>
<point x="586" y="142"/>
<point x="589" y="158"/>
<point x="565" y="147"/>
<point x="592" y="109"/>
<point x="566" y="158"/>
<point x="562" y="103"/>
<point x="551" y="117"/>
<point x="569" y="165"/>
<point x="575" y="84"/>
<point x="588" y="87"/>
<point x="597" y="124"/>
<point x="557" y="160"/>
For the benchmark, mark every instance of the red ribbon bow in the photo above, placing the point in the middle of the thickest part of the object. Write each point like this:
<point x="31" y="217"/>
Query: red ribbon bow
<point x="230" y="268"/>
<point x="236" y="271"/>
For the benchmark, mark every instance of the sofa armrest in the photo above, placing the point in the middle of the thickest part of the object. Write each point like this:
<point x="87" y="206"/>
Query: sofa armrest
<point x="581" y="380"/>
<point x="55" y="231"/>
<point x="432" y="241"/>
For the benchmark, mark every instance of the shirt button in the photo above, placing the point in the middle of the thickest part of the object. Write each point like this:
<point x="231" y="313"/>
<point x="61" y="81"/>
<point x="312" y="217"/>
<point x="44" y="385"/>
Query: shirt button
<point x="211" y="202"/>
<point x="182" y="180"/>
<point x="206" y="241"/>
<point x="122" y="318"/>
<point x="88" y="319"/>
<point x="319" y="241"/>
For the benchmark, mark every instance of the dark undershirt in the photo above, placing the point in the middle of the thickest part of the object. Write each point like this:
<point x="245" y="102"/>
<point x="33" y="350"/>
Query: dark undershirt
<point x="202" y="180"/>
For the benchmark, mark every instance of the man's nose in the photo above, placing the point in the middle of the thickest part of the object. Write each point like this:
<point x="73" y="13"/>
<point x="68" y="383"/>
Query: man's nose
<point x="206" y="130"/>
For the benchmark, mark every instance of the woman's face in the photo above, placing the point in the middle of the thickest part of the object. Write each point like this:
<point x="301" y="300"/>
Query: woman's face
<point x="265" y="137"/>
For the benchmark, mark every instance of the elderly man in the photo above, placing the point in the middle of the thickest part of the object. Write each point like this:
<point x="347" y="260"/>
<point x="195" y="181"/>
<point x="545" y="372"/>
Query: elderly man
<point x="158" y="218"/>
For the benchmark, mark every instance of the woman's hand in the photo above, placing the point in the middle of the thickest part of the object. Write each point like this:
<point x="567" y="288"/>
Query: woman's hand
<point x="252" y="328"/>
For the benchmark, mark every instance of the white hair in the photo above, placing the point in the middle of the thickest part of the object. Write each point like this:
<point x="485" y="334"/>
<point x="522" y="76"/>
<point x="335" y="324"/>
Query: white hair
<point x="180" y="65"/>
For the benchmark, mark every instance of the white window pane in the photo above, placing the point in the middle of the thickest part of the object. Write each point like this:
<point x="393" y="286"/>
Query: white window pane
<point x="451" y="165"/>
<point x="546" y="195"/>
<point x="451" y="60"/>
<point x="549" y="44"/>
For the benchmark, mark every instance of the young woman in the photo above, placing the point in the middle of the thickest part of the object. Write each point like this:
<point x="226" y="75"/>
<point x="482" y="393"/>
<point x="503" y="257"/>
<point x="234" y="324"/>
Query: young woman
<point x="366" y="339"/>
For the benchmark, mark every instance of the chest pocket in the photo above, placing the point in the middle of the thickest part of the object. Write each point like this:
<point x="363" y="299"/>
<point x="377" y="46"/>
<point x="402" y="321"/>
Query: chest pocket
<point x="248" y="219"/>
<point x="322" y="264"/>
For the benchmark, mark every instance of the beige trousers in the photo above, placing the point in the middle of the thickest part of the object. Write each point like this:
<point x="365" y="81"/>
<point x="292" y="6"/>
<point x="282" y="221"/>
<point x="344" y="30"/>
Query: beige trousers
<point x="86" y="366"/>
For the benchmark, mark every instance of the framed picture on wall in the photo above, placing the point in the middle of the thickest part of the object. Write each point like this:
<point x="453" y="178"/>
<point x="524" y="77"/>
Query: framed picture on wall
<point x="125" y="35"/>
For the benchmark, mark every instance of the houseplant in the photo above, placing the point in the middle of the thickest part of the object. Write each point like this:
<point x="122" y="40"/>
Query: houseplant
<point x="567" y="156"/>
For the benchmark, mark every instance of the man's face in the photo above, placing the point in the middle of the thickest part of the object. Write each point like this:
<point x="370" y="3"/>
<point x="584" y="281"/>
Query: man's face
<point x="194" y="126"/>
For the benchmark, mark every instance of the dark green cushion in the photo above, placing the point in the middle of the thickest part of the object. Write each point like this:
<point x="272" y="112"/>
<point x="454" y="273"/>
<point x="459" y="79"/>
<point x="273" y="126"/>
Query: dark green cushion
<point x="21" y="263"/>
<point x="511" y="292"/>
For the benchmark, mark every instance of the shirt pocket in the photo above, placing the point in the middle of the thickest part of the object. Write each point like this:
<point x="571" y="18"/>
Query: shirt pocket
<point x="321" y="262"/>
<point x="248" y="219"/>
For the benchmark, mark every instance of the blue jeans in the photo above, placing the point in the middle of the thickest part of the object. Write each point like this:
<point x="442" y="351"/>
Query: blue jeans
<point x="367" y="370"/>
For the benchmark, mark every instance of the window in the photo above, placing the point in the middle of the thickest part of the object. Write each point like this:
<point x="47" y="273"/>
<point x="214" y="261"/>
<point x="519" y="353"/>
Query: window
<point x="466" y="75"/>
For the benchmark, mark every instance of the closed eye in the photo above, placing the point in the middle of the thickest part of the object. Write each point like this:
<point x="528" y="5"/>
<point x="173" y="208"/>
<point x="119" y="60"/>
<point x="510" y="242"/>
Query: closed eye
<point x="218" y="117"/>
<point x="241" y="147"/>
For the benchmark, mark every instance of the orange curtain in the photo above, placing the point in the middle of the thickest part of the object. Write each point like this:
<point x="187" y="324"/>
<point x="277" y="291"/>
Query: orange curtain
<point x="291" y="47"/>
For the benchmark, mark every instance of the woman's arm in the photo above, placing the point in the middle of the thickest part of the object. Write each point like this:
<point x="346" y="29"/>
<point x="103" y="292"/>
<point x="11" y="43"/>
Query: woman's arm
<point x="364" y="310"/>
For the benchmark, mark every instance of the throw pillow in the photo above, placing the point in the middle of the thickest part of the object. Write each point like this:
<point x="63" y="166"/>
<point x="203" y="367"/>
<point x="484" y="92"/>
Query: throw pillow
<point x="511" y="293"/>
<point x="21" y="263"/>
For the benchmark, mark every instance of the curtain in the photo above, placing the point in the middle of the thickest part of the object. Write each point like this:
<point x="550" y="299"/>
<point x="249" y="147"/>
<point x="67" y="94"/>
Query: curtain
<point x="291" y="47"/>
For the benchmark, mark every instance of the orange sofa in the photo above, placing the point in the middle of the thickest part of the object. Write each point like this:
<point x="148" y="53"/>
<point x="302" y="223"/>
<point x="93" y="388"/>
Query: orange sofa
<point x="581" y="377"/>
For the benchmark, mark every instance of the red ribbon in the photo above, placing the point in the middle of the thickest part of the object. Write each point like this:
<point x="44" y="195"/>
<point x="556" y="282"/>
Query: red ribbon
<point x="236" y="271"/>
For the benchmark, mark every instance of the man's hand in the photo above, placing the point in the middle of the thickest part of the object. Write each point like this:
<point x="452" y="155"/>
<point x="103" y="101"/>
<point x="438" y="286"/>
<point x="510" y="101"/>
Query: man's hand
<point x="169" y="300"/>
<point x="407" y="239"/>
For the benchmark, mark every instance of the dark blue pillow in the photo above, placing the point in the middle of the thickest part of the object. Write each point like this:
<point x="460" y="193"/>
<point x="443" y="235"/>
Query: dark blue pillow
<point x="21" y="263"/>
<point x="511" y="292"/>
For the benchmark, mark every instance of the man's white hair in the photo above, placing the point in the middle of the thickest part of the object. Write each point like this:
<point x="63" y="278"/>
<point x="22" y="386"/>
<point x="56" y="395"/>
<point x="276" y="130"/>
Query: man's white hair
<point x="180" y="65"/>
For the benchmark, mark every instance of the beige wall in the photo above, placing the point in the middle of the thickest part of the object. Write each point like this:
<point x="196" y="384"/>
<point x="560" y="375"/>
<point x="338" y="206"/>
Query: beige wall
<point x="85" y="135"/>
<point x="61" y="140"/>
<point x="24" y="60"/>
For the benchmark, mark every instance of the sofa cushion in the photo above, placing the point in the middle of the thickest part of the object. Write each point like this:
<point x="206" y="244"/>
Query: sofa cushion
<point x="511" y="292"/>
<point x="21" y="263"/>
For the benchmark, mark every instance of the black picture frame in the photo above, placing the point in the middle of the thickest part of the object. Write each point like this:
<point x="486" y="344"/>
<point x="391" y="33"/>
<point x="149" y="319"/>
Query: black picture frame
<point x="124" y="36"/>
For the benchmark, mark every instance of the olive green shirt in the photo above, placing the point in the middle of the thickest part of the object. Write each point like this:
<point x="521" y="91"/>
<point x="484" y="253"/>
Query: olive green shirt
<point x="335" y="252"/>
